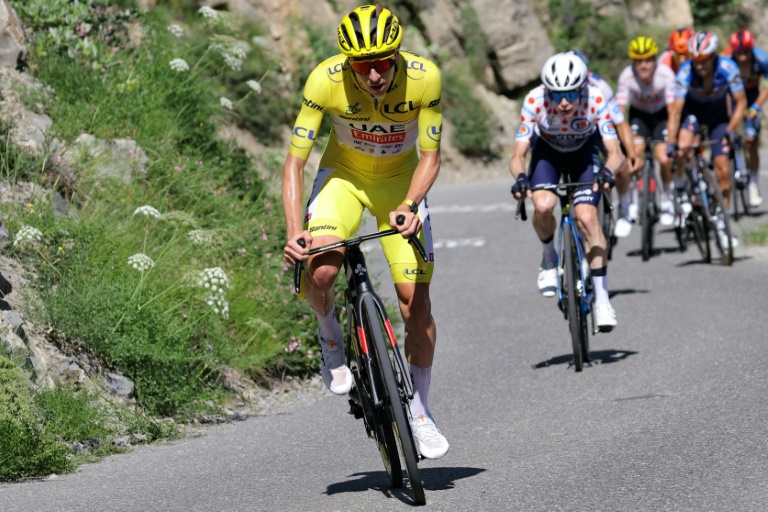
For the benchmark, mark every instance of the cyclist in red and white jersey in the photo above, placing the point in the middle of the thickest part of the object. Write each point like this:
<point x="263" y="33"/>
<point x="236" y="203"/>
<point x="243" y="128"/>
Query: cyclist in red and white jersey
<point x="677" y="51"/>
<point x="647" y="91"/>
<point x="570" y="117"/>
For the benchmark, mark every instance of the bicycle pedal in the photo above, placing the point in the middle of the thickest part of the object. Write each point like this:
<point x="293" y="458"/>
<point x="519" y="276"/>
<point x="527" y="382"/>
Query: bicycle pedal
<point x="355" y="409"/>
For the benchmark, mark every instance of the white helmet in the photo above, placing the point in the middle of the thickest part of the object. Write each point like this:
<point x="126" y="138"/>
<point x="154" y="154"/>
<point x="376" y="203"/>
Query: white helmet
<point x="564" y="72"/>
<point x="702" y="44"/>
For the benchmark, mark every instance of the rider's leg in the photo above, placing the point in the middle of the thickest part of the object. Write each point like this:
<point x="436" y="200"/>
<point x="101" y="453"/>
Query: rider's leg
<point x="544" y="224"/>
<point x="333" y="213"/>
<point x="322" y="270"/>
<point x="420" y="338"/>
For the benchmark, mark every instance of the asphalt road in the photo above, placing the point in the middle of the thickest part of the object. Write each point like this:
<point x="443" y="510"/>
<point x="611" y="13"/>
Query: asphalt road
<point x="671" y="416"/>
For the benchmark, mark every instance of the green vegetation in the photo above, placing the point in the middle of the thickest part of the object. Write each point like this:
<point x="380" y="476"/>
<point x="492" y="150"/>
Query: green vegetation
<point x="757" y="237"/>
<point x="707" y="12"/>
<point x="475" y="44"/>
<point x="472" y="134"/>
<point x="173" y="271"/>
<point x="576" y="26"/>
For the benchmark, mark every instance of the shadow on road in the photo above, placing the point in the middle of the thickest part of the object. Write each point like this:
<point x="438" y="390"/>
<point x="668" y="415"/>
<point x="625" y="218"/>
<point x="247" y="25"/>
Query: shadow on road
<point x="596" y="357"/>
<point x="627" y="291"/>
<point x="434" y="479"/>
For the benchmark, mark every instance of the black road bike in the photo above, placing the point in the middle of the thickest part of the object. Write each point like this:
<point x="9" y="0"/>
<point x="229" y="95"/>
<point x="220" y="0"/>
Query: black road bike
<point x="649" y="201"/>
<point x="739" y="178"/>
<point x="700" y="213"/>
<point x="383" y="387"/>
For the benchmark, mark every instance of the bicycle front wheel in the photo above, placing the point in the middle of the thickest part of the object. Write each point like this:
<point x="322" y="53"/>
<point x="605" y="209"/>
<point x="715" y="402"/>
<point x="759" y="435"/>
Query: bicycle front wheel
<point x="395" y="402"/>
<point x="572" y="292"/>
<point x="719" y="220"/>
<point x="377" y="423"/>
<point x="647" y="209"/>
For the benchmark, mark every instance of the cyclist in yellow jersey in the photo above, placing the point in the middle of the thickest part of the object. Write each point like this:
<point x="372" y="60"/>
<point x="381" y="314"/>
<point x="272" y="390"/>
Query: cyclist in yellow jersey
<point x="382" y="102"/>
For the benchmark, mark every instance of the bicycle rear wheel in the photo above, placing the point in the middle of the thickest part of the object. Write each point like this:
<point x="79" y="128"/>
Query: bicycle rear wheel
<point x="572" y="293"/>
<point x="719" y="220"/>
<point x="648" y="209"/>
<point x="395" y="401"/>
<point x="739" y="184"/>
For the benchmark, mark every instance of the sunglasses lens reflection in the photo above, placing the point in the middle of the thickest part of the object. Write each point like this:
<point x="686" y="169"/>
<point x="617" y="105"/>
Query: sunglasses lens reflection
<point x="364" y="67"/>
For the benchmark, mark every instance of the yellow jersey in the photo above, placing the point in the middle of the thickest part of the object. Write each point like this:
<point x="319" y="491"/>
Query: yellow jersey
<point x="371" y="137"/>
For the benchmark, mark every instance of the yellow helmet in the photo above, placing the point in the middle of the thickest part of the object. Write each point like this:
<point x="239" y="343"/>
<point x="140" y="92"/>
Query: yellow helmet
<point x="368" y="31"/>
<point x="642" y="47"/>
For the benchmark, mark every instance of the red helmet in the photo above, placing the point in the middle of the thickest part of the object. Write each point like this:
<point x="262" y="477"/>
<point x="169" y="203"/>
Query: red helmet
<point x="742" y="40"/>
<point x="678" y="40"/>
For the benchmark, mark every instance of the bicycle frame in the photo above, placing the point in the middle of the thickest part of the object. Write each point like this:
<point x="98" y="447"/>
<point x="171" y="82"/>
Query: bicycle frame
<point x="586" y="291"/>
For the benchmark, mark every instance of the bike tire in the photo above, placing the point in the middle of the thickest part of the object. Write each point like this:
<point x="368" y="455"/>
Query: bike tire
<point x="647" y="220"/>
<point x="572" y="296"/>
<point x="395" y="403"/>
<point x="698" y="227"/>
<point x="380" y="427"/>
<point x="607" y="224"/>
<point x="718" y="214"/>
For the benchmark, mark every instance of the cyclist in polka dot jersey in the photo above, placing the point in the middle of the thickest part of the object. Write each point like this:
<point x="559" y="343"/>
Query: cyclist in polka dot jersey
<point x="562" y="122"/>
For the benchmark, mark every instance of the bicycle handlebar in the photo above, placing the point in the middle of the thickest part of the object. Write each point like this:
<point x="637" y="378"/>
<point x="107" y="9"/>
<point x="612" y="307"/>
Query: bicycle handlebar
<point x="349" y="242"/>
<point x="520" y="213"/>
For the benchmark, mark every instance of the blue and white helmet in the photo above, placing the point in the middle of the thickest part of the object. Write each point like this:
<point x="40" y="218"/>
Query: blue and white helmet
<point x="564" y="72"/>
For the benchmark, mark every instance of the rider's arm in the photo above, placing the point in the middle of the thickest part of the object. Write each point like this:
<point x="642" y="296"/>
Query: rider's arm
<point x="675" y="110"/>
<point x="740" y="108"/>
<point x="625" y="136"/>
<point x="293" y="194"/>
<point x="517" y="162"/>
<point x="302" y="141"/>
<point x="615" y="158"/>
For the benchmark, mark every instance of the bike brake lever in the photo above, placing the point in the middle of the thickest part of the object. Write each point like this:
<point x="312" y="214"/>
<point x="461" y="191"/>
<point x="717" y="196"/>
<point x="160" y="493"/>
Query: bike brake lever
<point x="413" y="240"/>
<point x="607" y="205"/>
<point x="520" y="213"/>
<point x="297" y="269"/>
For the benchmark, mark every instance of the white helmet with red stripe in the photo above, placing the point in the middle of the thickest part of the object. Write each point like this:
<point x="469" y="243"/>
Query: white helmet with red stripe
<point x="702" y="45"/>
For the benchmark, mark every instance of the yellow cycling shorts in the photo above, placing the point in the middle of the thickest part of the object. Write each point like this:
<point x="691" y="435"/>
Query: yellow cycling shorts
<point x="336" y="207"/>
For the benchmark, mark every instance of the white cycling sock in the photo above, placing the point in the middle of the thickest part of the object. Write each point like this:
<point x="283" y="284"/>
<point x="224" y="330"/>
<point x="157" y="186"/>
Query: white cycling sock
<point x="753" y="177"/>
<point x="421" y="378"/>
<point x="329" y="326"/>
<point x="624" y="205"/>
<point x="601" y="289"/>
<point x="549" y="254"/>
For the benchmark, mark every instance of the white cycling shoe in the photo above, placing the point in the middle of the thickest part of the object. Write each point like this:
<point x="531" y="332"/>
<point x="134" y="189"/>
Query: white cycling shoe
<point x="754" y="197"/>
<point x="667" y="215"/>
<point x="547" y="281"/>
<point x="605" y="317"/>
<point x="431" y="443"/>
<point x="333" y="366"/>
<point x="623" y="227"/>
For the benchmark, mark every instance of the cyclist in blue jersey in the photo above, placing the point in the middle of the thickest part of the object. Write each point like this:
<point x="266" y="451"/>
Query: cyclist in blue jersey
<point x="703" y="86"/>
<point x="753" y="66"/>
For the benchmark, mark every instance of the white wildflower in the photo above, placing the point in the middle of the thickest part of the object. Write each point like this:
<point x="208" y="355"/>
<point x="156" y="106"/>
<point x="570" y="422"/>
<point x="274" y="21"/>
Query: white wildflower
<point x="232" y="62"/>
<point x="141" y="262"/>
<point x="209" y="12"/>
<point x="215" y="280"/>
<point x="176" y="30"/>
<point x="147" y="210"/>
<point x="203" y="237"/>
<point x="260" y="41"/>
<point x="226" y="103"/>
<point x="179" y="65"/>
<point x="256" y="86"/>
<point x="27" y="235"/>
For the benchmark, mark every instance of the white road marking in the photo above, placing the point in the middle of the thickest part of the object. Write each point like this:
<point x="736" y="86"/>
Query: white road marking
<point x="505" y="207"/>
